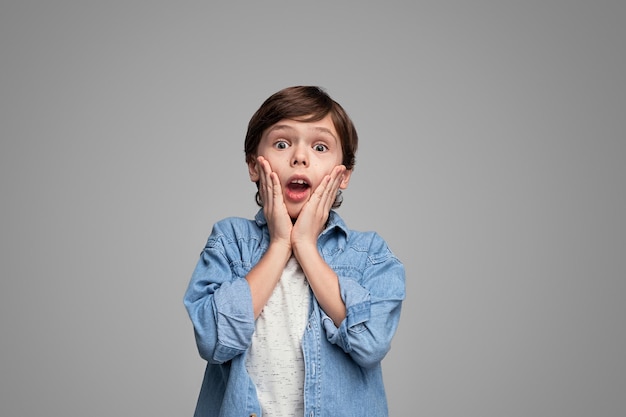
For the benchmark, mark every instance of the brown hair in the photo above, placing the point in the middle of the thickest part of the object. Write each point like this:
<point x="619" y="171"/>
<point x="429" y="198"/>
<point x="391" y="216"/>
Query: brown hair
<point x="307" y="104"/>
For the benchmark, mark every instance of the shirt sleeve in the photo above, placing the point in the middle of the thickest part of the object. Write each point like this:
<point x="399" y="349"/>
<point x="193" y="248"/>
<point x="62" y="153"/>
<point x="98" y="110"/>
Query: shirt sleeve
<point x="219" y="304"/>
<point x="373" y="305"/>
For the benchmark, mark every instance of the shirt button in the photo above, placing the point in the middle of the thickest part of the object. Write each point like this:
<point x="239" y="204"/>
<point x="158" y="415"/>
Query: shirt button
<point x="253" y="415"/>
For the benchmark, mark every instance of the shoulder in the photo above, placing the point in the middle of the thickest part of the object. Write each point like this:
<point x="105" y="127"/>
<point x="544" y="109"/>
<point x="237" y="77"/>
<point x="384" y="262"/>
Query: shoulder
<point x="370" y="241"/>
<point x="231" y="229"/>
<point x="367" y="242"/>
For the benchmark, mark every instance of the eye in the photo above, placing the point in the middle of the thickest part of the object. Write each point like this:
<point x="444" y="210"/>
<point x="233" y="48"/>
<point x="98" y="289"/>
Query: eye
<point x="320" y="147"/>
<point x="281" y="144"/>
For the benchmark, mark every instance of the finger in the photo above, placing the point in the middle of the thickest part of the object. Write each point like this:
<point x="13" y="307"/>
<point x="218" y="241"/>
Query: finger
<point x="330" y="192"/>
<point x="321" y="192"/>
<point x="266" y="182"/>
<point x="277" y="192"/>
<point x="323" y="200"/>
<point x="325" y="193"/>
<point x="259" y="170"/>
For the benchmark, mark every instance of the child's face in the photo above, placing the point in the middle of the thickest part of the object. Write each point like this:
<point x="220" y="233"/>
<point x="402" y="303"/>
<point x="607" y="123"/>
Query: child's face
<point x="301" y="154"/>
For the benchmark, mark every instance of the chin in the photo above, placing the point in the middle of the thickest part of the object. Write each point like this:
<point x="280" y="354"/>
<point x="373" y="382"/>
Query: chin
<point x="294" y="214"/>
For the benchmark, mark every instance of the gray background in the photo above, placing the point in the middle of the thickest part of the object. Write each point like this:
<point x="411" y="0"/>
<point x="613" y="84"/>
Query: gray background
<point x="491" y="160"/>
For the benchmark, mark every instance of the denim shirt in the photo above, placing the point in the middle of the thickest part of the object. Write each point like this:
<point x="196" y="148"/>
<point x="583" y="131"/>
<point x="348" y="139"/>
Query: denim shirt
<point x="343" y="374"/>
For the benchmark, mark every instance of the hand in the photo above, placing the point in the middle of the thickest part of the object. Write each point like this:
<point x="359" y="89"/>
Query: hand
<point x="315" y="212"/>
<point x="278" y="220"/>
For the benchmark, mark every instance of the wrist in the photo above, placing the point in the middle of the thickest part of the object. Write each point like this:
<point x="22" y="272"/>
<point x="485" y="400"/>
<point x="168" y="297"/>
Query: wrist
<point x="304" y="249"/>
<point x="279" y="246"/>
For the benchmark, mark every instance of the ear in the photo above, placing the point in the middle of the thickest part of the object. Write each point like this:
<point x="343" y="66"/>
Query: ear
<point x="253" y="170"/>
<point x="346" y="179"/>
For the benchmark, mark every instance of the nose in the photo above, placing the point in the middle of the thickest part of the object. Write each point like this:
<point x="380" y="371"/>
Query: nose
<point x="299" y="157"/>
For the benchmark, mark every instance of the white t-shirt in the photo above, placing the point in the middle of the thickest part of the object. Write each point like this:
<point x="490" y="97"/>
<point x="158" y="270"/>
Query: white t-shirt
<point x="274" y="360"/>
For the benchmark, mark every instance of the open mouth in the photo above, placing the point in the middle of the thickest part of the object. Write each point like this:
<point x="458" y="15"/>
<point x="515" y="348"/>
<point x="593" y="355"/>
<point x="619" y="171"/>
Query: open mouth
<point x="298" y="185"/>
<point x="297" y="189"/>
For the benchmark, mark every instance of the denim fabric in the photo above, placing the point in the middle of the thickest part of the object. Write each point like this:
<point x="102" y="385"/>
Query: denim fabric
<point x="342" y="364"/>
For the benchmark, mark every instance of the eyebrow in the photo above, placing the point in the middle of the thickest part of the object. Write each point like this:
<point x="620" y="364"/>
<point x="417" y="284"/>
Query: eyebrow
<point x="287" y="127"/>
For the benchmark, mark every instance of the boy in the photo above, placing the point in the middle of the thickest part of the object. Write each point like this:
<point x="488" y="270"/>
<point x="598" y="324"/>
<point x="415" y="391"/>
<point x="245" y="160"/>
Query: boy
<point x="293" y="311"/>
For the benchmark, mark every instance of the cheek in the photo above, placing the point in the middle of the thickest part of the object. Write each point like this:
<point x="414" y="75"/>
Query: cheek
<point x="277" y="159"/>
<point x="330" y="165"/>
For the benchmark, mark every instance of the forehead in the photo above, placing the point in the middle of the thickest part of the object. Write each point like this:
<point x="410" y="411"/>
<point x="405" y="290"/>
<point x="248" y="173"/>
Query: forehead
<point x="323" y="126"/>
